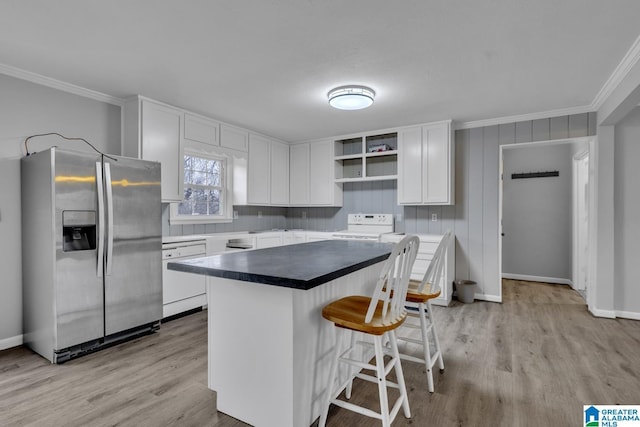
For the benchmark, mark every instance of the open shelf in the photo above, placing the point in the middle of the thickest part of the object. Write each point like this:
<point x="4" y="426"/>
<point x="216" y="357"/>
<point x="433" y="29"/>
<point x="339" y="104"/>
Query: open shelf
<point x="367" y="158"/>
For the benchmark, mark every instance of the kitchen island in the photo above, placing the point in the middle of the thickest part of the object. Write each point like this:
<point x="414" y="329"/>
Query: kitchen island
<point x="269" y="347"/>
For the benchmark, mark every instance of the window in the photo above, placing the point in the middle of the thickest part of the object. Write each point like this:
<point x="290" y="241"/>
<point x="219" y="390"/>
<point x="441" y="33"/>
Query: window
<point x="206" y="184"/>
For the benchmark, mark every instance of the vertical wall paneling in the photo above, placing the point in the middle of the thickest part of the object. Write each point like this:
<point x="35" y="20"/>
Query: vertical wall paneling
<point x="592" y="122"/>
<point x="507" y="133"/>
<point x="476" y="232"/>
<point x="461" y="223"/>
<point x="559" y="127"/>
<point x="540" y="130"/>
<point x="578" y="125"/>
<point x="491" y="182"/>
<point x="523" y="132"/>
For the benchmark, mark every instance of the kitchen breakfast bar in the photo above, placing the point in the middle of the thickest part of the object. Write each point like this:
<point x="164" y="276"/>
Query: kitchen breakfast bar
<point x="269" y="348"/>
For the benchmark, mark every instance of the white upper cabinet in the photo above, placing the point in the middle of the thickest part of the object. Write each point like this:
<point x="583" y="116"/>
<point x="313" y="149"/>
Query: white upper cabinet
<point x="153" y="131"/>
<point x="312" y="180"/>
<point x="279" y="174"/>
<point x="299" y="174"/>
<point x="234" y="138"/>
<point x="200" y="129"/>
<point x="426" y="165"/>
<point x="268" y="172"/>
<point x="259" y="171"/>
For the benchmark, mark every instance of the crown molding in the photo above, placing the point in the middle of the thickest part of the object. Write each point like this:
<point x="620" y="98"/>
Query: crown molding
<point x="621" y="71"/>
<point x="58" y="84"/>
<point x="525" y="117"/>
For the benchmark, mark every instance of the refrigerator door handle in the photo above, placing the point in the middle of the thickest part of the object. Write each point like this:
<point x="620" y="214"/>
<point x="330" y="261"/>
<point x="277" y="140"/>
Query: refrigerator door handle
<point x="100" y="188"/>
<point x="109" y="191"/>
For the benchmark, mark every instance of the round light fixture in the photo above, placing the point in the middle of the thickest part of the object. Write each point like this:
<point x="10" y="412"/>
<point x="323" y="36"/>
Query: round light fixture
<point x="351" y="97"/>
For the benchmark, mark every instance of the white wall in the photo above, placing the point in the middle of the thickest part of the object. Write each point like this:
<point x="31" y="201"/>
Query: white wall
<point x="627" y="214"/>
<point x="26" y="109"/>
<point x="477" y="178"/>
<point x="537" y="213"/>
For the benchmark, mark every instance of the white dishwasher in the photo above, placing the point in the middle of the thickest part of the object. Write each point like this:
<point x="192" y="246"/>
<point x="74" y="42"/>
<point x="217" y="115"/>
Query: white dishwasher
<point x="182" y="291"/>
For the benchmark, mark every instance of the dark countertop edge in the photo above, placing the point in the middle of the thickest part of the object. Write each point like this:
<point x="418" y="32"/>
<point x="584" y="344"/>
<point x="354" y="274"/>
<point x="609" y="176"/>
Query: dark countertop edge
<point x="275" y="281"/>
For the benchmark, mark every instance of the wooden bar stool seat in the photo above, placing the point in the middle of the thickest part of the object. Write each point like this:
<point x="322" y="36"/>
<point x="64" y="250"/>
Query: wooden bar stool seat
<point x="377" y="317"/>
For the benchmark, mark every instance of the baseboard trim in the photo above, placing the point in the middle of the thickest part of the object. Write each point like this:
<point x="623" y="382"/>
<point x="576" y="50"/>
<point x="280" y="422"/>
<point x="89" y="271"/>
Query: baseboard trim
<point x="537" y="279"/>
<point x="490" y="298"/>
<point x="11" y="342"/>
<point x="633" y="315"/>
<point x="609" y="314"/>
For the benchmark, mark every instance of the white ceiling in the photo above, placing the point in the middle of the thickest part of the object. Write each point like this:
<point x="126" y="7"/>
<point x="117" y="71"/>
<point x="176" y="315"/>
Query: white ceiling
<point x="268" y="64"/>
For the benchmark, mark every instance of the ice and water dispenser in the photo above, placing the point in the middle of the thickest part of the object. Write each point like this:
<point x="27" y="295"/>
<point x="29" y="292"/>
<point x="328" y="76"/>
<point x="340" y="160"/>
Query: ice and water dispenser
<point x="78" y="230"/>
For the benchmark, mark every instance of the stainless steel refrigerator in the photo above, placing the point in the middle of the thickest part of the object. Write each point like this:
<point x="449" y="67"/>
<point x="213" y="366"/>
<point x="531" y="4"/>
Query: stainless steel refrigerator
<point x="91" y="251"/>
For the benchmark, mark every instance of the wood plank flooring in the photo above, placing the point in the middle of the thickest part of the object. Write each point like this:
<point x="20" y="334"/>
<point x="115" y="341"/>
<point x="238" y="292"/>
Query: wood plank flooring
<point x="535" y="359"/>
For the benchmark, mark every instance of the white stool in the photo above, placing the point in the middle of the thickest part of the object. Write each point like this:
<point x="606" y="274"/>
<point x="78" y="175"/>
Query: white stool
<point x="419" y="296"/>
<point x="377" y="316"/>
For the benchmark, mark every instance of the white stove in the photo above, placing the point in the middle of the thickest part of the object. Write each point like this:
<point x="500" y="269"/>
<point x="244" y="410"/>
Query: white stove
<point x="366" y="227"/>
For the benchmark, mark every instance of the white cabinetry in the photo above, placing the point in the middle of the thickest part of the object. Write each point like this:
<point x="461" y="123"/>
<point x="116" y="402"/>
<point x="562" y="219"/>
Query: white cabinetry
<point x="279" y="174"/>
<point x="268" y="240"/>
<point x="313" y="175"/>
<point x="234" y="138"/>
<point x="268" y="174"/>
<point x="367" y="158"/>
<point x="426" y="165"/>
<point x="259" y="184"/>
<point x="153" y="131"/>
<point x="299" y="174"/>
<point x="200" y="129"/>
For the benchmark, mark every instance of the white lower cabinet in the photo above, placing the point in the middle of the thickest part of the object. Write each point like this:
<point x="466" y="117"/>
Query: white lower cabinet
<point x="428" y="245"/>
<point x="268" y="239"/>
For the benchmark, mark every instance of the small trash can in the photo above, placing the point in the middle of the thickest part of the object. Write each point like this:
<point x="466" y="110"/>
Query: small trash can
<point x="466" y="290"/>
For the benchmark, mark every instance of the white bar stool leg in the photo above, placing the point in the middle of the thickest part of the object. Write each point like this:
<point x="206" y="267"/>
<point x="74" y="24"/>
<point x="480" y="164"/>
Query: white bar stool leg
<point x="382" y="382"/>
<point x="425" y="324"/>
<point x="332" y="376"/>
<point x="435" y="337"/>
<point x="399" y="374"/>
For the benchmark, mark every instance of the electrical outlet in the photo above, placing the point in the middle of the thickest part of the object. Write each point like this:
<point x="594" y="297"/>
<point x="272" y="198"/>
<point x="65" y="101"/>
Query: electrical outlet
<point x="359" y="173"/>
<point x="235" y="215"/>
<point x="434" y="217"/>
<point x="304" y="214"/>
<point x="259" y="214"/>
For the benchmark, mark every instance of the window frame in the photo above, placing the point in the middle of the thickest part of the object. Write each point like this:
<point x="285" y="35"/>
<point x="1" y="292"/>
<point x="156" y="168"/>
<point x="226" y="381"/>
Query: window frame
<point x="226" y="192"/>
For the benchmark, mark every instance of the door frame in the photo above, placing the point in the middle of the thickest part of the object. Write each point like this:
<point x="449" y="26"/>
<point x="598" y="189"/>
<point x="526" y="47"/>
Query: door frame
<point x="591" y="142"/>
<point x="578" y="159"/>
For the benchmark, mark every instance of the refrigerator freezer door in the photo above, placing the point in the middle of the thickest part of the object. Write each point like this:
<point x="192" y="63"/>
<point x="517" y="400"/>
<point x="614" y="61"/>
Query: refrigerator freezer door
<point x="133" y="283"/>
<point x="78" y="289"/>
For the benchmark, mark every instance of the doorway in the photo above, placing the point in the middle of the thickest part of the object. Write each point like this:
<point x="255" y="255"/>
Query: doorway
<point x="572" y="255"/>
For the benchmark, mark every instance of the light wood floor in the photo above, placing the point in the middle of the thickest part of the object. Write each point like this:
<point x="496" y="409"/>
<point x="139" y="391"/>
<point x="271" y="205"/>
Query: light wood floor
<point x="533" y="360"/>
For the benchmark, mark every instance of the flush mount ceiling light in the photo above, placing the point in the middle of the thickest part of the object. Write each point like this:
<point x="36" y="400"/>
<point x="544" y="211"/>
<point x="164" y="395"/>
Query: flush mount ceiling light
<point x="351" y="97"/>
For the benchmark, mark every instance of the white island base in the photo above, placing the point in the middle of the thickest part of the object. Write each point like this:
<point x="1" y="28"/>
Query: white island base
<point x="270" y="348"/>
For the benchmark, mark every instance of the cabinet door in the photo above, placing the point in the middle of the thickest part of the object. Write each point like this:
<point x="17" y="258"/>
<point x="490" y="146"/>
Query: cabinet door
<point x="436" y="164"/>
<point x="259" y="176"/>
<point x="279" y="173"/>
<point x="268" y="240"/>
<point x="299" y="170"/>
<point x="410" y="166"/>
<point x="200" y="129"/>
<point x="321" y="179"/>
<point x="236" y="139"/>
<point x="161" y="142"/>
